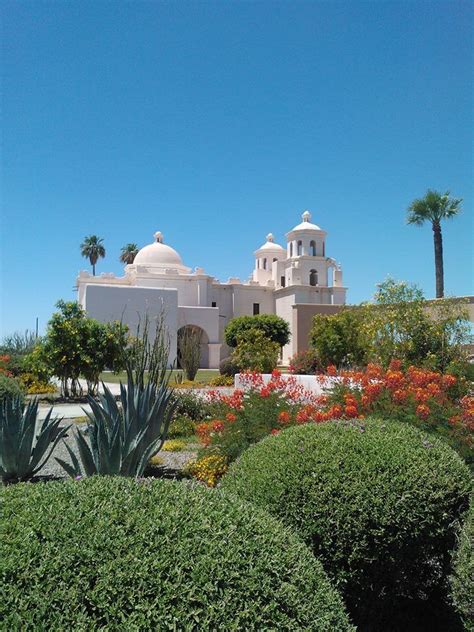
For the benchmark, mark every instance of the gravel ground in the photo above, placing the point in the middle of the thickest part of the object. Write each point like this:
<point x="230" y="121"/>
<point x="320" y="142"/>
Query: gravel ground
<point x="172" y="461"/>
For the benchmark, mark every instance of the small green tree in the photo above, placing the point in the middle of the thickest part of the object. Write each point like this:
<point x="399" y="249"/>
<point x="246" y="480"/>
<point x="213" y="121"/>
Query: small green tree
<point x="76" y="345"/>
<point x="92" y="248"/>
<point x="273" y="327"/>
<point x="435" y="207"/>
<point x="256" y="352"/>
<point x="339" y="339"/>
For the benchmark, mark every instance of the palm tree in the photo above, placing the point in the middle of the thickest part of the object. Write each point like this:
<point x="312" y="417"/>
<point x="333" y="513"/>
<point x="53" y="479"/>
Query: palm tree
<point x="433" y="208"/>
<point x="92" y="249"/>
<point x="128" y="253"/>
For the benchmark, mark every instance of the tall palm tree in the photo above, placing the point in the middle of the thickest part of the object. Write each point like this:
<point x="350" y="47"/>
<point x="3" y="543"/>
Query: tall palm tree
<point x="433" y="208"/>
<point x="128" y="253"/>
<point x="92" y="249"/>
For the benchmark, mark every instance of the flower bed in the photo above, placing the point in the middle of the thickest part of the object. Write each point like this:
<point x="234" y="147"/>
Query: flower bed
<point x="264" y="405"/>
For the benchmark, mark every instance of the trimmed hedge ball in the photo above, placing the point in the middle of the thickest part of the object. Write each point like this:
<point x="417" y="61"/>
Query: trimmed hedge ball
<point x="120" y="554"/>
<point x="462" y="580"/>
<point x="376" y="501"/>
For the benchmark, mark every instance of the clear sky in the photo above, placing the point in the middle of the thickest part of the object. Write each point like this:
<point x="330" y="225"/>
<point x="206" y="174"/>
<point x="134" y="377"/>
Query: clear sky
<point x="217" y="122"/>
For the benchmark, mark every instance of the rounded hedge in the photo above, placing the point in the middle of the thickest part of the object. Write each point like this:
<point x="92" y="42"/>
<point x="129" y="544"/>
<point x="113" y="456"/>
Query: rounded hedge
<point x="376" y="501"/>
<point x="462" y="580"/>
<point x="121" y="554"/>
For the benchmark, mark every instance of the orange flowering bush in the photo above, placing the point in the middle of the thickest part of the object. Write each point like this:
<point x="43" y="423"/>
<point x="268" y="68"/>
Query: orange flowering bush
<point x="432" y="401"/>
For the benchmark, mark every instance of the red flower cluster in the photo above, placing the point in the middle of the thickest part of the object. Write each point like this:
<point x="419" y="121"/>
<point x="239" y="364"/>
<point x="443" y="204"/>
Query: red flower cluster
<point x="4" y="360"/>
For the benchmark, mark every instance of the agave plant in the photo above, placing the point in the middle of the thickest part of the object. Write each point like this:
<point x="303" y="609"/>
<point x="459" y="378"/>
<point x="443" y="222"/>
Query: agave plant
<point x="25" y="446"/>
<point x="123" y="436"/>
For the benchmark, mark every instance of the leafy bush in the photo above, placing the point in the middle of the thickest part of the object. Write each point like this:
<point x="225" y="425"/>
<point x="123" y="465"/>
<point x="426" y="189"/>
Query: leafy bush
<point x="306" y="363"/>
<point x="462" y="579"/>
<point x="222" y="380"/>
<point x="376" y="501"/>
<point x="190" y="405"/>
<point x="35" y="386"/>
<point x="10" y="388"/>
<point x="123" y="438"/>
<point x="339" y="339"/>
<point x="114" y="553"/>
<point x="181" y="426"/>
<point x="273" y="327"/>
<point x="256" y="352"/>
<point x="228" y="367"/>
<point x="25" y="445"/>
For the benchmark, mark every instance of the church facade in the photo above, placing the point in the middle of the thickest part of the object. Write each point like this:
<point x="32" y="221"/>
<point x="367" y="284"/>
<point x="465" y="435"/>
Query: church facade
<point x="159" y="284"/>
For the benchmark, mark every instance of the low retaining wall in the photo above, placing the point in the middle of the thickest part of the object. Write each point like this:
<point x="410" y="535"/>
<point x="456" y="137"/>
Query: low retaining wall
<point x="309" y="382"/>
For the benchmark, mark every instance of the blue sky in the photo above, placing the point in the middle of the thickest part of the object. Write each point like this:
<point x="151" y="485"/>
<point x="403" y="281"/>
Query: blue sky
<point x="217" y="122"/>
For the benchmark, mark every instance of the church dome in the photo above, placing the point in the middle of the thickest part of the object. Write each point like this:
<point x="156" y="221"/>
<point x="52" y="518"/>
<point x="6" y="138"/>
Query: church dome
<point x="159" y="255"/>
<point x="305" y="224"/>
<point x="271" y="246"/>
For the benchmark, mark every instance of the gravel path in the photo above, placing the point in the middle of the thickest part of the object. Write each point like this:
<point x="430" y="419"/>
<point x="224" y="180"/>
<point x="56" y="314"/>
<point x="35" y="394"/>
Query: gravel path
<point x="171" y="460"/>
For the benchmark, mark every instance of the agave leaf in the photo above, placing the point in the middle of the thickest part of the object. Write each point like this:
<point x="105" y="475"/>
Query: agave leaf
<point x="87" y="459"/>
<point x="152" y="449"/>
<point x="46" y="436"/>
<point x="75" y="468"/>
<point x="67" y="467"/>
<point x="58" y="436"/>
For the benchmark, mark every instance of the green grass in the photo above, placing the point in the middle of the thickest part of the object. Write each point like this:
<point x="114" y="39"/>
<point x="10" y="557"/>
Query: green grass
<point x="203" y="375"/>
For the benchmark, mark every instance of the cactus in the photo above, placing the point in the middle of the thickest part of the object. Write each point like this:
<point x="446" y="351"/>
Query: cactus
<point x="25" y="445"/>
<point x="123" y="437"/>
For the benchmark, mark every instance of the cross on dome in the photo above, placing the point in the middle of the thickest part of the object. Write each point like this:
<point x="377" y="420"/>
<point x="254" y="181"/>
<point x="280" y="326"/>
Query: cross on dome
<point x="158" y="236"/>
<point x="270" y="237"/>
<point x="306" y="217"/>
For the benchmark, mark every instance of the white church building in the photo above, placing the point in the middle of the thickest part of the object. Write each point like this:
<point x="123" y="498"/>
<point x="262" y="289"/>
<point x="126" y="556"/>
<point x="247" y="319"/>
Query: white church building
<point x="158" y="282"/>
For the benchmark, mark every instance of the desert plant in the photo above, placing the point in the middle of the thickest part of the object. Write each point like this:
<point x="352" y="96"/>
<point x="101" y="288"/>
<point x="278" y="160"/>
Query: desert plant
<point x="25" y="445"/>
<point x="189" y="350"/>
<point x="273" y="327"/>
<point x="256" y="352"/>
<point x="114" y="553"/>
<point x="462" y="579"/>
<point x="190" y="405"/>
<point x="376" y="501"/>
<point x="181" y="426"/>
<point x="228" y="367"/>
<point x="122" y="438"/>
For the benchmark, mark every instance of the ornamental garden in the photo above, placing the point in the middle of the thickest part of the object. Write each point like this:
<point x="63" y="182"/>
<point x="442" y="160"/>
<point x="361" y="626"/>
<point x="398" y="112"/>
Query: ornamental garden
<point x="176" y="501"/>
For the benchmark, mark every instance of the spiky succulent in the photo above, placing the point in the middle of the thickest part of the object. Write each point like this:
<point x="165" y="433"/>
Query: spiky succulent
<point x="123" y="435"/>
<point x="25" y="445"/>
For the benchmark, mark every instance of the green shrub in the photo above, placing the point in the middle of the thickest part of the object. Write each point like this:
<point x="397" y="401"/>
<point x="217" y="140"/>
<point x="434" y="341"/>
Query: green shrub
<point x="10" y="388"/>
<point x="222" y="380"/>
<point x="120" y="554"/>
<point x="272" y="326"/>
<point x="462" y="579"/>
<point x="228" y="367"/>
<point x="181" y="426"/>
<point x="377" y="502"/>
<point x="256" y="352"/>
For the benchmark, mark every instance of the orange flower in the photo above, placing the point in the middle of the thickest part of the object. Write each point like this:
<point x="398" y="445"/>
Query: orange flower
<point x="422" y="411"/>
<point x="284" y="417"/>
<point x="331" y="370"/>
<point x="230" y="417"/>
<point x="350" y="411"/>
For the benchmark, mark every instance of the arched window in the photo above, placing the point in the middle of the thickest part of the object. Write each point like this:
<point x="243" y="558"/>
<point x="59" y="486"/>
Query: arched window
<point x="312" y="248"/>
<point x="300" y="248"/>
<point x="291" y="249"/>
<point x="264" y="264"/>
<point x="274" y="259"/>
<point x="313" y="277"/>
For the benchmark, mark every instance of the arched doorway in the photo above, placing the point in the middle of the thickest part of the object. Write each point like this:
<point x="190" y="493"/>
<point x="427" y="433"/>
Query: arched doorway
<point x="190" y="336"/>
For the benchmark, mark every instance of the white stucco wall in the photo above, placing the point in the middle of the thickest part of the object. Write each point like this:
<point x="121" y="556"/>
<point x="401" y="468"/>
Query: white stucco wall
<point x="107" y="303"/>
